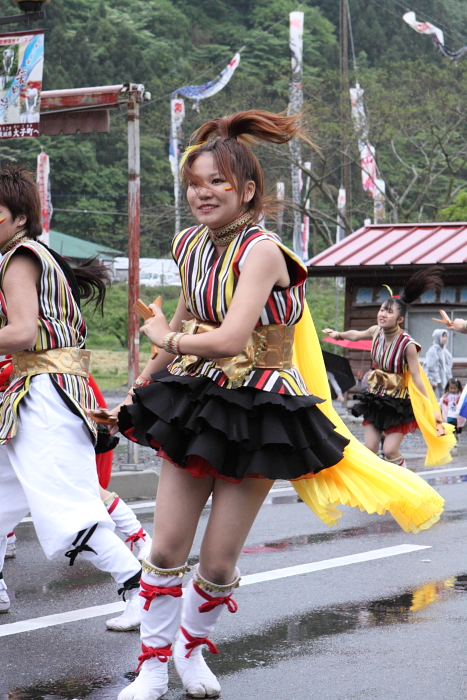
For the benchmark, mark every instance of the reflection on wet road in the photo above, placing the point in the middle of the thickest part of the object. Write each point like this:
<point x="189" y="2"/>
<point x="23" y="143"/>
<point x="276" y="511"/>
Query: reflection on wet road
<point x="292" y="636"/>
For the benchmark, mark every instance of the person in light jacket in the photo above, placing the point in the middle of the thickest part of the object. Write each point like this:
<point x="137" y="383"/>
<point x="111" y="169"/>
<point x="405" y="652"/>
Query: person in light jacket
<point x="438" y="361"/>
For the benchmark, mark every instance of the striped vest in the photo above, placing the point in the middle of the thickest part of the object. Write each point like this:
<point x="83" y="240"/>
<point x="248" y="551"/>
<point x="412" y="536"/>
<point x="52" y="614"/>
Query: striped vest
<point x="391" y="358"/>
<point x="208" y="286"/>
<point x="60" y="324"/>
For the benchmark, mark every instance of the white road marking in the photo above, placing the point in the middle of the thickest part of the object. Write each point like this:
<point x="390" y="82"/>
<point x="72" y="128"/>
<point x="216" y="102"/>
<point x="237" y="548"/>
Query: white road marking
<point x="114" y="608"/>
<point x="442" y="471"/>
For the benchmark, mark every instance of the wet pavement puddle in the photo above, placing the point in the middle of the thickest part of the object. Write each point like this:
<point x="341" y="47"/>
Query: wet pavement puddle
<point x="292" y="636"/>
<point x="381" y="527"/>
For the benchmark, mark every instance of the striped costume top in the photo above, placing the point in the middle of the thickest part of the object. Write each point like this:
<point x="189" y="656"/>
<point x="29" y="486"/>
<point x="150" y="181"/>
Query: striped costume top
<point x="391" y="358"/>
<point x="208" y="285"/>
<point x="60" y="325"/>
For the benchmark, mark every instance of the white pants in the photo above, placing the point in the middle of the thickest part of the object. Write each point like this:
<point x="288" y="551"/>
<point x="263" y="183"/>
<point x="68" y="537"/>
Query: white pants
<point x="49" y="470"/>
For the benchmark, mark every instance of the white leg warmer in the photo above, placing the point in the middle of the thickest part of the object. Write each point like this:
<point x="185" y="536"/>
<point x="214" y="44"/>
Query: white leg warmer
<point x="202" y="606"/>
<point x="126" y="522"/>
<point x="160" y="599"/>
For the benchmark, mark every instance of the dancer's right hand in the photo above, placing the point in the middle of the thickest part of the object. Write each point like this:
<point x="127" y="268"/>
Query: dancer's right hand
<point x="331" y="332"/>
<point x="115" y="411"/>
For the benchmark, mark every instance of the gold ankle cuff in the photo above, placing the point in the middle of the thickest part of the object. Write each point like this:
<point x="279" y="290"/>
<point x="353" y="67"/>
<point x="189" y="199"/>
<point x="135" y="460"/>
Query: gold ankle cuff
<point x="212" y="587"/>
<point x="110" y="498"/>
<point x="150" y="569"/>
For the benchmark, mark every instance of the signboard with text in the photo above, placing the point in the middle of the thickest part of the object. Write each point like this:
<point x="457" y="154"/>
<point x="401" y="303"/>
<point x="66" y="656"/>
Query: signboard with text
<point x="21" y="65"/>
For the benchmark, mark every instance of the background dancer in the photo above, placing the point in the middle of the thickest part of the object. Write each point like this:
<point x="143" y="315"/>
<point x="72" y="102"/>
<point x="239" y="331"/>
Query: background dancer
<point x="47" y="459"/>
<point x="386" y="406"/>
<point x="231" y="412"/>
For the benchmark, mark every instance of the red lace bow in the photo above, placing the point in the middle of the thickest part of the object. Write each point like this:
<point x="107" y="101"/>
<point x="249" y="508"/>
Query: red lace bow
<point x="135" y="537"/>
<point x="151" y="592"/>
<point x="213" y="602"/>
<point x="162" y="654"/>
<point x="194" y="642"/>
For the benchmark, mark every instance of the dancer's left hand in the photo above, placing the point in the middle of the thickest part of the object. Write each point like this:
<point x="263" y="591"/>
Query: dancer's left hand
<point x="157" y="327"/>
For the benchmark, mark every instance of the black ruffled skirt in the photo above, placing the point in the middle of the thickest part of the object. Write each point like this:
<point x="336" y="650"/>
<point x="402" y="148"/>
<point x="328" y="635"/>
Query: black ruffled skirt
<point x="386" y="413"/>
<point x="231" y="433"/>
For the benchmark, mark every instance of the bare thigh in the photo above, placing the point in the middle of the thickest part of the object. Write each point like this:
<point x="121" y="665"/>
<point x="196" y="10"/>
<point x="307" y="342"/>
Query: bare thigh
<point x="179" y="503"/>
<point x="392" y="444"/>
<point x="372" y="437"/>
<point x="233" y="512"/>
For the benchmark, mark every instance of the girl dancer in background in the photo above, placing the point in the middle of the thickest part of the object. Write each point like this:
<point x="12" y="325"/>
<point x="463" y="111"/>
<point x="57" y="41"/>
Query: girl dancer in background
<point x="229" y="411"/>
<point x="47" y="459"/>
<point x="386" y="406"/>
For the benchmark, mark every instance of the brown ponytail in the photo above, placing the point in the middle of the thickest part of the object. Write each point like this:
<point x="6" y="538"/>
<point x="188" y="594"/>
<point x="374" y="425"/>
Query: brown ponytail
<point x="226" y="139"/>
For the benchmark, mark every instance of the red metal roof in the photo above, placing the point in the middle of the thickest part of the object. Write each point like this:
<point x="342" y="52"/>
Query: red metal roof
<point x="397" y="244"/>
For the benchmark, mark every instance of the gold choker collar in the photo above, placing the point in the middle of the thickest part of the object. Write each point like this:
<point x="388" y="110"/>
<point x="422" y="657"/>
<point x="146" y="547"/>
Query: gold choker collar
<point x="14" y="240"/>
<point x="226" y="234"/>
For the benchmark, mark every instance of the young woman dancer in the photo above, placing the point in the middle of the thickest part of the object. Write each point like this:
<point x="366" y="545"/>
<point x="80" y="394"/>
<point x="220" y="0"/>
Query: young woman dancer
<point x="230" y="412"/>
<point x="47" y="458"/>
<point x="386" y="406"/>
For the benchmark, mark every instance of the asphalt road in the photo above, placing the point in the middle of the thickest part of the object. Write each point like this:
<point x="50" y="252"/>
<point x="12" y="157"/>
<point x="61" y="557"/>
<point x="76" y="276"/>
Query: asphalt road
<point x="391" y="627"/>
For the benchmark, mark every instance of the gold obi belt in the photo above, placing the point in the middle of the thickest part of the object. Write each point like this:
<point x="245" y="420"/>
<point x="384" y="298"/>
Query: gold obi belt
<point x="268" y="347"/>
<point x="56" y="361"/>
<point x="393" y="384"/>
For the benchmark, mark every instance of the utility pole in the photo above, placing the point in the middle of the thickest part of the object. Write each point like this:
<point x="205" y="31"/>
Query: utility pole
<point x="134" y="95"/>
<point x="345" y="104"/>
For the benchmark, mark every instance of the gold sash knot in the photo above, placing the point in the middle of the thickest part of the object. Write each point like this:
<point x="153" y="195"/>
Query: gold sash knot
<point x="391" y="382"/>
<point x="268" y="347"/>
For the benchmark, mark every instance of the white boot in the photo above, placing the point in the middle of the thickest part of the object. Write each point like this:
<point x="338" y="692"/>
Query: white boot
<point x="160" y="600"/>
<point x="4" y="598"/>
<point x="202" y="606"/>
<point x="126" y="522"/>
<point x="131" y="616"/>
<point x="10" y="546"/>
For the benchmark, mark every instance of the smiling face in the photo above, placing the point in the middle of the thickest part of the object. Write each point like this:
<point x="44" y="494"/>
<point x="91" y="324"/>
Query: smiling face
<point x="389" y="316"/>
<point x="215" y="203"/>
<point x="8" y="225"/>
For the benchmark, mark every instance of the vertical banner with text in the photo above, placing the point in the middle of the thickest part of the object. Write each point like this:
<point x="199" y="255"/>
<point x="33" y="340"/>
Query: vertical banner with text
<point x="43" y="184"/>
<point x="21" y="65"/>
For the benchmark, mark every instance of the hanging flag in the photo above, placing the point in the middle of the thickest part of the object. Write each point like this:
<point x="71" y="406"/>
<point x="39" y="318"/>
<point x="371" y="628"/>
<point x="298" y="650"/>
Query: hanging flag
<point x="295" y="107"/>
<point x="201" y="92"/>
<point x="436" y="34"/>
<point x="43" y="183"/>
<point x="177" y="115"/>
<point x="423" y="27"/>
<point x="366" y="150"/>
<point x="21" y="65"/>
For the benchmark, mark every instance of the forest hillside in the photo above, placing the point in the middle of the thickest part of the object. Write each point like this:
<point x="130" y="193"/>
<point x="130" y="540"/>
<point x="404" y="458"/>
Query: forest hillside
<point x="416" y="101"/>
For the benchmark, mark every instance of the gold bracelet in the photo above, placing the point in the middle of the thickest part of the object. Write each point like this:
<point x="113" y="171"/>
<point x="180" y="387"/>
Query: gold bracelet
<point x="139" y="381"/>
<point x="171" y="342"/>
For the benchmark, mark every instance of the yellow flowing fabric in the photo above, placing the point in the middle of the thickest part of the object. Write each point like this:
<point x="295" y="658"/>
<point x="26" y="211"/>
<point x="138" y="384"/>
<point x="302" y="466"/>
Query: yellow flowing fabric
<point x="361" y="479"/>
<point x="439" y="446"/>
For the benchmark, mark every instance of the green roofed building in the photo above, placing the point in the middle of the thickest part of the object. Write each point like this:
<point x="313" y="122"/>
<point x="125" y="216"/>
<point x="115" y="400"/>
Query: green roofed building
<point x="77" y="249"/>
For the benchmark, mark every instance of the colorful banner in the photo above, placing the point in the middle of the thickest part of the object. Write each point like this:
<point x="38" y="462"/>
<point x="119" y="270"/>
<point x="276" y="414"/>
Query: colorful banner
<point x="423" y="27"/>
<point x="366" y="150"/>
<point x="436" y="34"/>
<point x="177" y="115"/>
<point x="43" y="184"/>
<point x="21" y="65"/>
<point x="295" y="107"/>
<point x="200" y="92"/>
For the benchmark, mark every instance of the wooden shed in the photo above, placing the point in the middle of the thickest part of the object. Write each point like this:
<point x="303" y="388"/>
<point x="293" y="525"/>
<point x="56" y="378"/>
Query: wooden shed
<point x="388" y="254"/>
